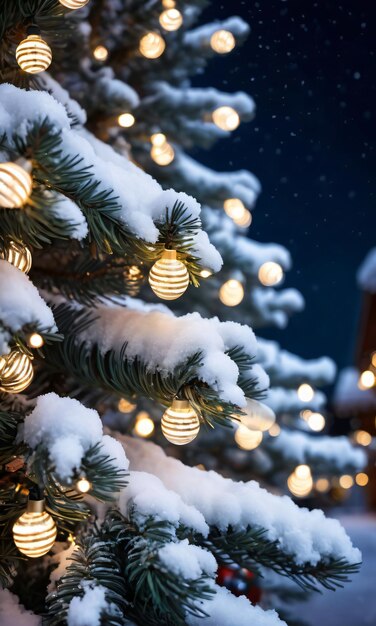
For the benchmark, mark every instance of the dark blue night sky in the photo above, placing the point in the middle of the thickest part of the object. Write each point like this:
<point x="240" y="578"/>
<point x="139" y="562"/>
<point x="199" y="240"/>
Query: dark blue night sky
<point x="310" y="66"/>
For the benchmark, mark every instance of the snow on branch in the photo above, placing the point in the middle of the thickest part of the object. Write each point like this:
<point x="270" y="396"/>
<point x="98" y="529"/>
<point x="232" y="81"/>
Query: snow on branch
<point x="275" y="307"/>
<point x="199" y="38"/>
<point x="283" y="400"/>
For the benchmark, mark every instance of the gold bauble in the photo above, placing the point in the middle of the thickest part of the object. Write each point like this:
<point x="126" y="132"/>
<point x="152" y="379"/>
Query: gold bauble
<point x="232" y="292"/>
<point x="152" y="45"/>
<point x="257" y="416"/>
<point x="18" y="255"/>
<point x="15" y="185"/>
<point x="34" y="533"/>
<point x="222" y="41"/>
<point x="270" y="274"/>
<point x="171" y="19"/>
<point x="16" y="371"/>
<point x="33" y="54"/>
<point x="169" y="277"/>
<point x="226" y="118"/>
<point x="180" y="423"/>
<point x="300" y="482"/>
<point x="73" y="4"/>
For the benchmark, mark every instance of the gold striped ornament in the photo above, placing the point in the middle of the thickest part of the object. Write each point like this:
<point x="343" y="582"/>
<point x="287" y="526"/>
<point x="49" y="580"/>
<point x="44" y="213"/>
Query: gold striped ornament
<point x="169" y="277"/>
<point x="18" y="255"/>
<point x="73" y="4"/>
<point x="33" y="54"/>
<point x="34" y="533"/>
<point x="15" y="184"/>
<point x="180" y="423"/>
<point x="16" y="371"/>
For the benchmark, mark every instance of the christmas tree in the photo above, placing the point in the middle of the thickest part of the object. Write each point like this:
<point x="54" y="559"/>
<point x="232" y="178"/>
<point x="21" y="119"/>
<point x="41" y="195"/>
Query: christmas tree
<point x="99" y="527"/>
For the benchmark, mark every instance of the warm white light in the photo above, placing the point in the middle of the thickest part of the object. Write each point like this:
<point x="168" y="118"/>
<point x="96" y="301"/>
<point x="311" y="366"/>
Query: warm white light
<point x="367" y="380"/>
<point x="171" y="19"/>
<point x="126" y="120"/>
<point x="169" y="277"/>
<point x="305" y="392"/>
<point x="258" y="416"/>
<point x="34" y="532"/>
<point x="316" y="422"/>
<point x="35" y="340"/>
<point x="168" y="4"/>
<point x="361" y="479"/>
<point x="152" y="45"/>
<point x="234" y="208"/>
<point x="245" y="220"/>
<point x="125" y="406"/>
<point x="15" y="185"/>
<point x="362" y="437"/>
<point x="16" y="371"/>
<point x="206" y="273"/>
<point x="373" y="359"/>
<point x="83" y="485"/>
<point x="274" y="430"/>
<point x="346" y="481"/>
<point x="100" y="53"/>
<point x="247" y="439"/>
<point x="231" y="293"/>
<point x="19" y="255"/>
<point x="73" y="4"/>
<point x="222" y="41"/>
<point x="33" y="54"/>
<point x="180" y="423"/>
<point x="270" y="274"/>
<point x="300" y="482"/>
<point x="322" y="485"/>
<point x="162" y="155"/>
<point x="226" y="118"/>
<point x="144" y="425"/>
<point x="305" y="414"/>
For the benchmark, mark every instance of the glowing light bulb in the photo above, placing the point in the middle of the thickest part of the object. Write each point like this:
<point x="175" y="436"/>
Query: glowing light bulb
<point x="100" y="53"/>
<point x="126" y="120"/>
<point x="18" y="255"/>
<point x="125" y="406"/>
<point x="300" y="482"/>
<point x="15" y="185"/>
<point x="305" y="414"/>
<point x="270" y="274"/>
<point x="169" y="277"/>
<point x="247" y="439"/>
<point x="152" y="45"/>
<point x="35" y="340"/>
<point x="73" y="4"/>
<point x="226" y="118"/>
<point x="134" y="277"/>
<point x="231" y="293"/>
<point x="362" y="437"/>
<point x="245" y="220"/>
<point x="346" y="481"/>
<point x="168" y="4"/>
<point x="361" y="479"/>
<point x="373" y="359"/>
<point x="16" y="371"/>
<point x="206" y="273"/>
<point x="316" y="422"/>
<point x="180" y="423"/>
<point x="34" y="532"/>
<point x="367" y="380"/>
<point x="144" y="425"/>
<point x="171" y="19"/>
<point x="257" y="416"/>
<point x="161" y="152"/>
<point x="33" y="54"/>
<point x="305" y="393"/>
<point x="222" y="41"/>
<point x="83" y="485"/>
<point x="234" y="208"/>
<point x="322" y="485"/>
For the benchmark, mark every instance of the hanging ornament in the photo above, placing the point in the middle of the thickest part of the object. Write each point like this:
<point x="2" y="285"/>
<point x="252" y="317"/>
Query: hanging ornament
<point x="33" y="54"/>
<point x="15" y="184"/>
<point x="171" y="19"/>
<point x="134" y="277"/>
<point x="300" y="482"/>
<point x="18" y="255"/>
<point x="247" y="439"/>
<point x="257" y="416"/>
<point x="240" y="581"/>
<point x="226" y="118"/>
<point x="232" y="292"/>
<point x="270" y="274"/>
<point x="169" y="277"/>
<point x="73" y="4"/>
<point x="152" y="45"/>
<point x="222" y="41"/>
<point x="180" y="423"/>
<point x="161" y="151"/>
<point x="16" y="371"/>
<point x="34" y="533"/>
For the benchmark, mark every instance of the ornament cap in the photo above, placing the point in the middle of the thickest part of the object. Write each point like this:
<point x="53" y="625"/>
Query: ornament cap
<point x="180" y="405"/>
<point x="169" y="254"/>
<point x="33" y="29"/>
<point x="35" y="506"/>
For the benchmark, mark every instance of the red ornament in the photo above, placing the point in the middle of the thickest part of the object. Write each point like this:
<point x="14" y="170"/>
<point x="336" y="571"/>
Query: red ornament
<point x="240" y="581"/>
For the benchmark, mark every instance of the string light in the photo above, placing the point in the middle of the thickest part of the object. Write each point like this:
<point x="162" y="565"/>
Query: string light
<point x="231" y="293"/>
<point x="305" y="414"/>
<point x="16" y="371"/>
<point x="35" y="340"/>
<point x="305" y="392"/>
<point x="34" y="532"/>
<point x="73" y="4"/>
<point x="180" y="423"/>
<point x="134" y="277"/>
<point x="126" y="120"/>
<point x="83" y="485"/>
<point x="322" y="485"/>
<point x="245" y="220"/>
<point x="270" y="274"/>
<point x="346" y="481"/>
<point x="100" y="53"/>
<point x="33" y="54"/>
<point x="152" y="45"/>
<point x="361" y="479"/>
<point x="257" y="416"/>
<point x="168" y="4"/>
<point x="222" y="41"/>
<point x="316" y="422"/>
<point x="367" y="380"/>
<point x="247" y="439"/>
<point x="226" y="118"/>
<point x="234" y="208"/>
<point x="144" y="425"/>
<point x="274" y="430"/>
<point x="161" y="151"/>
<point x="362" y="437"/>
<point x="169" y="277"/>
<point x="18" y="255"/>
<point x="15" y="184"/>
<point x="125" y="406"/>
<point x="171" y="19"/>
<point x="206" y="273"/>
<point x="300" y="482"/>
